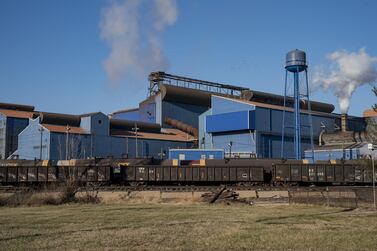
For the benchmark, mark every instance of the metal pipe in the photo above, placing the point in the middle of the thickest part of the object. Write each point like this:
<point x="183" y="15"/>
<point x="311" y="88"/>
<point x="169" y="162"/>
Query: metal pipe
<point x="283" y="127"/>
<point x="136" y="129"/>
<point x="310" y="115"/>
<point x="297" y="115"/>
<point x="40" y="150"/>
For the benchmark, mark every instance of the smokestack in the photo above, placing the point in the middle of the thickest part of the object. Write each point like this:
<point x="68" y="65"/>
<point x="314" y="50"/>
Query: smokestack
<point x="344" y="122"/>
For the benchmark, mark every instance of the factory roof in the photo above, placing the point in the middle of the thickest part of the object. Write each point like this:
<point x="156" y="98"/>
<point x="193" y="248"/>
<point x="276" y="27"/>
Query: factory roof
<point x="90" y="114"/>
<point x="125" y="110"/>
<point x="166" y="134"/>
<point x="16" y="113"/>
<point x="63" y="129"/>
<point x="369" y="113"/>
<point x="278" y="107"/>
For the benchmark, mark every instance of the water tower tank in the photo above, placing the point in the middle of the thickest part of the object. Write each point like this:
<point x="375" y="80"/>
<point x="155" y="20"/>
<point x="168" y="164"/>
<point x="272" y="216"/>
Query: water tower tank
<point x="295" y="61"/>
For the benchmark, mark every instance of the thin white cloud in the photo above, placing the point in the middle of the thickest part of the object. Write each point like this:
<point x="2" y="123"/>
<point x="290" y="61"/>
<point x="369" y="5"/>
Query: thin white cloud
<point x="134" y="37"/>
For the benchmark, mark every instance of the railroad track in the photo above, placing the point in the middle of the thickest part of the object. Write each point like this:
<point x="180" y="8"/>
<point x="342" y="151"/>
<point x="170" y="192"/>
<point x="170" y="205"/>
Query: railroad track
<point x="172" y="188"/>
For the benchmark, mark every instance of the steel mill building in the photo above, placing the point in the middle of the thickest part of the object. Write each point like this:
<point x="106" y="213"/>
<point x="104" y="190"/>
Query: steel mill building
<point x="183" y="114"/>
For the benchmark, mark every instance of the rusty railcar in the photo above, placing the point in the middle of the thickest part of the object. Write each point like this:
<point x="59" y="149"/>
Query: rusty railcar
<point x="152" y="174"/>
<point x="322" y="174"/>
<point x="27" y="171"/>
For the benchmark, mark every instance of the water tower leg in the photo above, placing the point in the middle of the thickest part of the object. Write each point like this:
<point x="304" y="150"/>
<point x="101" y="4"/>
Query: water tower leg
<point x="297" y="115"/>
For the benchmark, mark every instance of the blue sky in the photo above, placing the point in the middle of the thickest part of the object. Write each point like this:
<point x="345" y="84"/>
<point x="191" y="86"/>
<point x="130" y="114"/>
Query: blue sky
<point x="51" y="52"/>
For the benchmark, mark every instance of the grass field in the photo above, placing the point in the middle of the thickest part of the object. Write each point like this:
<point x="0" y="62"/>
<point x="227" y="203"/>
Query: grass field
<point x="186" y="227"/>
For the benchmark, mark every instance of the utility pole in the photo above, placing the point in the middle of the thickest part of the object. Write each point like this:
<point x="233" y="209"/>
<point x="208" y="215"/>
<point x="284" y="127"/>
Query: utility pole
<point x="374" y="185"/>
<point x="91" y="145"/>
<point x="371" y="148"/>
<point x="127" y="147"/>
<point x="67" y="142"/>
<point x="230" y="148"/>
<point x="136" y="129"/>
<point x="41" y="142"/>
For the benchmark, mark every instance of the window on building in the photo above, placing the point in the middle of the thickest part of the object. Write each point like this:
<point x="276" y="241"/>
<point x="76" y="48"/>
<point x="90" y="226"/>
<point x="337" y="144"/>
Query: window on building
<point x="181" y="157"/>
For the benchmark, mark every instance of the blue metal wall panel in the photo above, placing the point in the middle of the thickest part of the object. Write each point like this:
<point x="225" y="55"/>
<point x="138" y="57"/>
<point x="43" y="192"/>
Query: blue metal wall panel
<point x="29" y="142"/>
<point x="270" y="120"/>
<point x="90" y="145"/>
<point x="186" y="113"/>
<point x="3" y="125"/>
<point x="225" y="105"/>
<point x="332" y="154"/>
<point x="205" y="139"/>
<point x="147" y="111"/>
<point x="13" y="128"/>
<point x="244" y="142"/>
<point x="232" y="121"/>
<point x="195" y="154"/>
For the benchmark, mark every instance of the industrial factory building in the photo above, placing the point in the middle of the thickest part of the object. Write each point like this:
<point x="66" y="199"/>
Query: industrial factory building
<point x="28" y="134"/>
<point x="242" y="122"/>
<point x="59" y="136"/>
<point x="185" y="113"/>
<point x="346" y="143"/>
<point x="13" y="119"/>
<point x="246" y="128"/>
<point x="175" y="98"/>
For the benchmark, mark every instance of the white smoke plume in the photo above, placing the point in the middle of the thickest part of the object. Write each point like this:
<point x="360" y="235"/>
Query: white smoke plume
<point x="348" y="71"/>
<point x="133" y="30"/>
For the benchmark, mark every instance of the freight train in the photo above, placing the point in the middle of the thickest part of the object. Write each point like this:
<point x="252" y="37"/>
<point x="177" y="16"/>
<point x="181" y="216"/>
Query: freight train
<point x="135" y="172"/>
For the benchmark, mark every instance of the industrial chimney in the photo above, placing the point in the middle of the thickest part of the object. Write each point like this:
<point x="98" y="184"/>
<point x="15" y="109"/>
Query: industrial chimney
<point x="343" y="123"/>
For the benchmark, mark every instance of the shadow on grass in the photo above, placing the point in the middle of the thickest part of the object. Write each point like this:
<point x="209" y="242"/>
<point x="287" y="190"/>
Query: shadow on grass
<point x="275" y="220"/>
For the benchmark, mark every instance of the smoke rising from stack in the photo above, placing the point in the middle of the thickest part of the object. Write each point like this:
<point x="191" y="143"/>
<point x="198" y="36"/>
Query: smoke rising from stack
<point x="133" y="29"/>
<point x="348" y="71"/>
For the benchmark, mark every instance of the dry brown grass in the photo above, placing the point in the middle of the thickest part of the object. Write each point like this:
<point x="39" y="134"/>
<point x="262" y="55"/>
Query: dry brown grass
<point x="63" y="195"/>
<point x="186" y="227"/>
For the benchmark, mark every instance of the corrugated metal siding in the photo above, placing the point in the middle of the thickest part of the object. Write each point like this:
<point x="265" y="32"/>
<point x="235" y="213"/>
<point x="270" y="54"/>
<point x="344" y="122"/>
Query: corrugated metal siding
<point x="84" y="146"/>
<point x="242" y="142"/>
<point x="185" y="113"/>
<point x="269" y="146"/>
<point x="232" y="121"/>
<point x="346" y="154"/>
<point x="205" y="139"/>
<point x="29" y="142"/>
<point x="100" y="124"/>
<point x="13" y="128"/>
<point x="147" y="111"/>
<point x="3" y="124"/>
<point x="269" y="120"/>
<point x="184" y="154"/>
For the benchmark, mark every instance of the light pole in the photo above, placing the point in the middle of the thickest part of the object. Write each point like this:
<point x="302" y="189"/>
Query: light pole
<point x="371" y="148"/>
<point x="136" y="129"/>
<point x="66" y="142"/>
<point x="41" y="142"/>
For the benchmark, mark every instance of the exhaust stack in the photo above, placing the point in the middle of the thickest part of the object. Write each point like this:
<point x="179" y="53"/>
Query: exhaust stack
<point x="344" y="122"/>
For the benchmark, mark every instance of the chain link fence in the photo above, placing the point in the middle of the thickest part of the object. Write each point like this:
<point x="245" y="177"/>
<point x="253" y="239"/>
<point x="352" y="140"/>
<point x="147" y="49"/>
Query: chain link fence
<point x="353" y="197"/>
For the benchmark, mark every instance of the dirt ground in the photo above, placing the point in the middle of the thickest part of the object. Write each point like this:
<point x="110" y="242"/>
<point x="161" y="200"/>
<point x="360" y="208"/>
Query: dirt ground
<point x="187" y="226"/>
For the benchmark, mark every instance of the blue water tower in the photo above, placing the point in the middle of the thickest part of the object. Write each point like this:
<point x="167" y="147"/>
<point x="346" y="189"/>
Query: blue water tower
<point x="296" y="65"/>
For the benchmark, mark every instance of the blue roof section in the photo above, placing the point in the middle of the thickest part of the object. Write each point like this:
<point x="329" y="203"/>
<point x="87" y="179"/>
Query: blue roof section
<point x="226" y="105"/>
